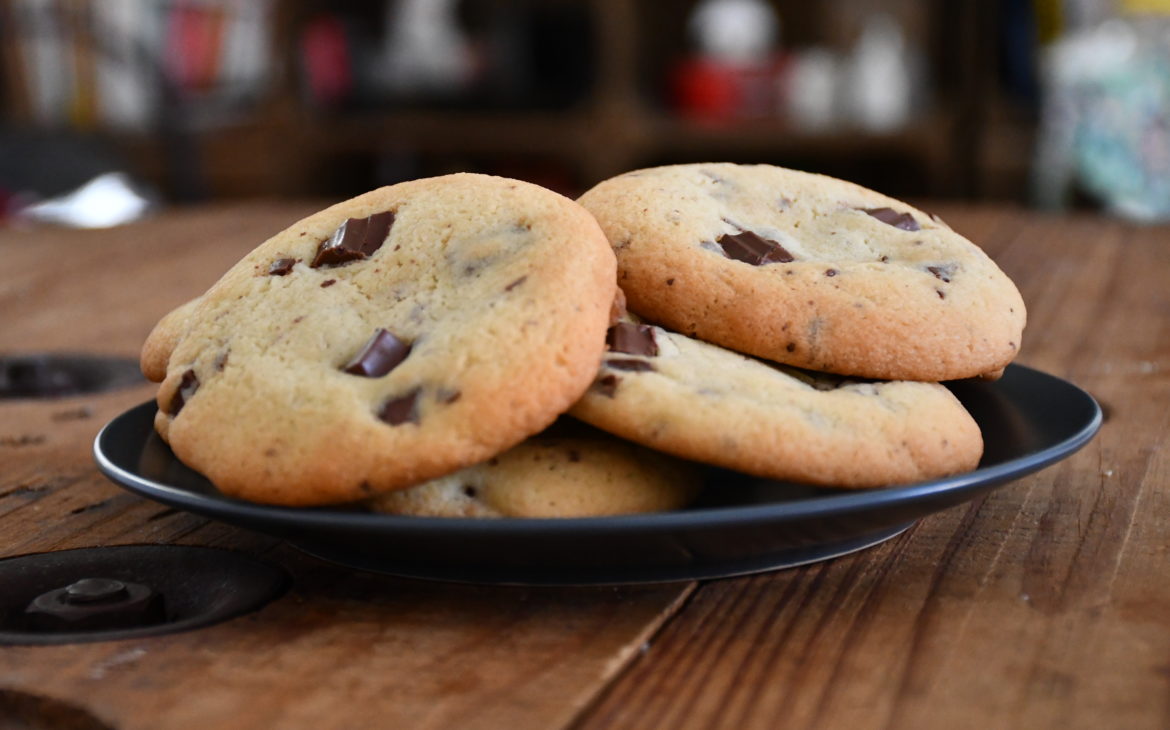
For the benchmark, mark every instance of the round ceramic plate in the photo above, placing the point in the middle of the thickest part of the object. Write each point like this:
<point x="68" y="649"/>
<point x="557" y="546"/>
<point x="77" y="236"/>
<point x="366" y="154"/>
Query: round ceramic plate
<point x="742" y="524"/>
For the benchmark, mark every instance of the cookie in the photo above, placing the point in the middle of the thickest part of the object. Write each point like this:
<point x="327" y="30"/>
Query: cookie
<point x="705" y="403"/>
<point x="807" y="270"/>
<point x="548" y="476"/>
<point x="161" y="341"/>
<point x="387" y="340"/>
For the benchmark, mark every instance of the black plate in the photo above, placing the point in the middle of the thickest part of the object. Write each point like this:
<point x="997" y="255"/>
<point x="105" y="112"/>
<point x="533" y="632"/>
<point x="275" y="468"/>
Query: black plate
<point x="742" y="525"/>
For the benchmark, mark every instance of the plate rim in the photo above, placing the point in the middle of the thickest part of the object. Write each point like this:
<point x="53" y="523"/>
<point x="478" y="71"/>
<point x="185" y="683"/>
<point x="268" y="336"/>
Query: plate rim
<point x="847" y="503"/>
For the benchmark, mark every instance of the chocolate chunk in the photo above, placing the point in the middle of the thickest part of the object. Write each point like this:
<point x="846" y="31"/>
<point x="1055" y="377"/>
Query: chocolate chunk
<point x="607" y="385"/>
<point x="943" y="273"/>
<point x="381" y="354"/>
<point x="831" y="272"/>
<point x="355" y="239"/>
<point x="187" y="387"/>
<point x="640" y="366"/>
<point x="889" y="216"/>
<point x="400" y="410"/>
<point x="516" y="283"/>
<point x="632" y="339"/>
<point x="470" y="491"/>
<point x="280" y="267"/>
<point x="328" y="283"/>
<point x="752" y="249"/>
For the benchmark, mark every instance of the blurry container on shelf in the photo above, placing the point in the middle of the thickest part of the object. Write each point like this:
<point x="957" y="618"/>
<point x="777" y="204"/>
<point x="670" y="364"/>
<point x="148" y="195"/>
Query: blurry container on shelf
<point x="1105" y="126"/>
<point x="883" y="77"/>
<point x="811" y="90"/>
<point x="876" y="86"/>
<point x="424" y="52"/>
<point x="733" y="74"/>
<point x="327" y="69"/>
<point x="115" y="63"/>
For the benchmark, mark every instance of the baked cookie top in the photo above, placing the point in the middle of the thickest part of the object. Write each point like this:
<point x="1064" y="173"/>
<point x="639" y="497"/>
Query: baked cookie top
<point x="702" y="402"/>
<point x="807" y="270"/>
<point x="554" y="476"/>
<point x="386" y="340"/>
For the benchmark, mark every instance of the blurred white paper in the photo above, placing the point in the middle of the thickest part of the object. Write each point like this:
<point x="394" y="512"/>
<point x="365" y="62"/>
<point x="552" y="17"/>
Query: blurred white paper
<point x="107" y="200"/>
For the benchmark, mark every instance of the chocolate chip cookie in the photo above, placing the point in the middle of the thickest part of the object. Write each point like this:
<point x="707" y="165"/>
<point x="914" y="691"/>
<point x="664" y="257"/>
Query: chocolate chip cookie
<point x="703" y="402"/>
<point x="387" y="340"/>
<point x="807" y="270"/>
<point x="549" y="476"/>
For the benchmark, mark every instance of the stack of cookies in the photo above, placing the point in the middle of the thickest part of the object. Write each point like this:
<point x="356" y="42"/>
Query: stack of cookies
<point x="409" y="348"/>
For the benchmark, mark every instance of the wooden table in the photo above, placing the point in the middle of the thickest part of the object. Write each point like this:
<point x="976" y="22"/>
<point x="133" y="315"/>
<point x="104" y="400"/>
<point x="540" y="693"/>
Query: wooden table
<point x="1044" y="605"/>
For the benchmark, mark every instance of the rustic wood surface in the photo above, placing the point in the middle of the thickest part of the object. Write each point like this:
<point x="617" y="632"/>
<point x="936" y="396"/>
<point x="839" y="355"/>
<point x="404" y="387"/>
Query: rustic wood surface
<point x="1044" y="605"/>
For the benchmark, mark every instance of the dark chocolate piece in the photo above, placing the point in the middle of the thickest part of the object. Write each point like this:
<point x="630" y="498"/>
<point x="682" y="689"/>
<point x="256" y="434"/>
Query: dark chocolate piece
<point x="830" y="272"/>
<point x="639" y="366"/>
<point x="943" y="273"/>
<point x="355" y="239"/>
<point x="328" y="283"/>
<point x="753" y="249"/>
<point x="607" y="385"/>
<point x="400" y="410"/>
<point x="280" y="267"/>
<point x="381" y="354"/>
<point x="632" y="339"/>
<point x="187" y="387"/>
<point x="516" y="283"/>
<point x="889" y="216"/>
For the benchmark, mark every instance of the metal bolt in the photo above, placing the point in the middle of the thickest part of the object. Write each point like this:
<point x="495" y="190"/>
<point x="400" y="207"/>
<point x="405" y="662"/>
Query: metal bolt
<point x="95" y="590"/>
<point x="95" y="604"/>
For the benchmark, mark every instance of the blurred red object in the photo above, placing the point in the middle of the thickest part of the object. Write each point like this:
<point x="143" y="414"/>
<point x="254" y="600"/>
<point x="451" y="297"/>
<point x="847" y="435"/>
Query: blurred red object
<point x="716" y="91"/>
<point x="328" y="70"/>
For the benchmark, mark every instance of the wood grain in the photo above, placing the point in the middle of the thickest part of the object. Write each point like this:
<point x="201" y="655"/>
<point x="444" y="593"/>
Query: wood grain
<point x="1044" y="605"/>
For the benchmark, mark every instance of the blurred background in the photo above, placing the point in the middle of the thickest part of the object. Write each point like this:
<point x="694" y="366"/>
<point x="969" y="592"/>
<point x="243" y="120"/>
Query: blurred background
<point x="1050" y="103"/>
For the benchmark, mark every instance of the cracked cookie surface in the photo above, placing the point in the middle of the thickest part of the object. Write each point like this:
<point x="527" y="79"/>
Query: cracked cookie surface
<point x="386" y="340"/>
<point x="807" y="270"/>
<point x="702" y="402"/>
